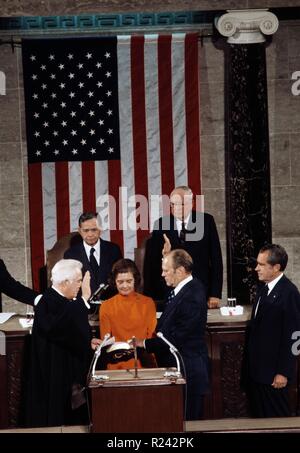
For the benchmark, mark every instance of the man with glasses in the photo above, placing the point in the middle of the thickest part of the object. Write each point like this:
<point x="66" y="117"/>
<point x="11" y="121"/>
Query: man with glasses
<point x="96" y="255"/>
<point x="192" y="231"/>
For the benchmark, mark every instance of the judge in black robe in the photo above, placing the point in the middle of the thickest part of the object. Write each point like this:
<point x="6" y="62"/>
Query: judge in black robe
<point x="60" y="348"/>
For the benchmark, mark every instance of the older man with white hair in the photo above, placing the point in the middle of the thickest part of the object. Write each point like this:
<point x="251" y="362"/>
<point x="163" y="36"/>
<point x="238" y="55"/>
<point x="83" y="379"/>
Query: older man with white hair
<point x="60" y="348"/>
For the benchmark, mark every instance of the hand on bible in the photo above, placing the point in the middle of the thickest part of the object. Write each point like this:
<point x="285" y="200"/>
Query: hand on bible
<point x="95" y="342"/>
<point x="138" y="343"/>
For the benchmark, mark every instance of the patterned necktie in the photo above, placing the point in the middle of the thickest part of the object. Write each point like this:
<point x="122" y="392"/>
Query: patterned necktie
<point x="170" y="297"/>
<point x="93" y="262"/>
<point x="182" y="233"/>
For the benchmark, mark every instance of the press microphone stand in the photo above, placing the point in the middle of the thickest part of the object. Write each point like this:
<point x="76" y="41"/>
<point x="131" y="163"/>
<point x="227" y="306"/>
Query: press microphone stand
<point x="135" y="357"/>
<point x="94" y="298"/>
<point x="105" y="342"/>
<point x="175" y="353"/>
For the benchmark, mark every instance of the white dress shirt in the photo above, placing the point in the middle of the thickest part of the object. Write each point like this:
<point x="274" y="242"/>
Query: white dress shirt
<point x="97" y="250"/>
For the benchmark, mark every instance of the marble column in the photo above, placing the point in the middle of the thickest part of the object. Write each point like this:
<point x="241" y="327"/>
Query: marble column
<point x="248" y="204"/>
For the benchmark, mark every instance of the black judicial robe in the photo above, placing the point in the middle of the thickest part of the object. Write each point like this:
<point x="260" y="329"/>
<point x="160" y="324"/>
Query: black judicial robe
<point x="59" y="358"/>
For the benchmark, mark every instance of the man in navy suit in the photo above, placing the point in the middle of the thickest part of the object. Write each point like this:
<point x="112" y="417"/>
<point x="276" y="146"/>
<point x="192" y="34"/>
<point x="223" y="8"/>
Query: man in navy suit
<point x="14" y="289"/>
<point x="275" y="316"/>
<point x="192" y="231"/>
<point x="96" y="255"/>
<point x="183" y="323"/>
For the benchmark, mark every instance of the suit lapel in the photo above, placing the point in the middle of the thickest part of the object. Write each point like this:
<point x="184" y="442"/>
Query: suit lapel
<point x="272" y="297"/>
<point x="83" y="258"/>
<point x="170" y="308"/>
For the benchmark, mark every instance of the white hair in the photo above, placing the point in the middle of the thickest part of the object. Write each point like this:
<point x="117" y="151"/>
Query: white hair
<point x="65" y="270"/>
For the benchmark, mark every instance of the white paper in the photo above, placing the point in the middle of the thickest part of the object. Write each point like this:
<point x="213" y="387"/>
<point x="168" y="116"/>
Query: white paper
<point x="25" y="323"/>
<point x="5" y="317"/>
<point x="232" y="311"/>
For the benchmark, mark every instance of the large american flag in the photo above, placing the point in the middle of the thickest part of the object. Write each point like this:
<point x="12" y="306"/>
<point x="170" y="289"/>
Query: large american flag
<point x="111" y="122"/>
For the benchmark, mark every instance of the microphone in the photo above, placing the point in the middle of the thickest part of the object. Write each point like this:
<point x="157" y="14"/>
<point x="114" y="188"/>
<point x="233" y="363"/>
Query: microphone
<point x="175" y="353"/>
<point x="161" y="335"/>
<point x="106" y="340"/>
<point x="103" y="287"/>
<point x="100" y="346"/>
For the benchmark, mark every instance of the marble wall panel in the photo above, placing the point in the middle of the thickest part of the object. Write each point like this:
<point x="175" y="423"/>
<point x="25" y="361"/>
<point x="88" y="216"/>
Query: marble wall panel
<point x="212" y="108"/>
<point x="213" y="161"/>
<point x="211" y="61"/>
<point x="284" y="108"/>
<point x="294" y="40"/>
<point x="8" y="65"/>
<point x="295" y="158"/>
<point x="277" y="55"/>
<point x="296" y="259"/>
<point x="12" y="223"/>
<point x="280" y="159"/>
<point x="11" y="174"/>
<point x="9" y="116"/>
<point x="285" y="211"/>
<point x="214" y="203"/>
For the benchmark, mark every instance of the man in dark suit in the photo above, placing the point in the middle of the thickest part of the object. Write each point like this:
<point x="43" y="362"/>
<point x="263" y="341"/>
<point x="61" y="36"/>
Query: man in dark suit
<point x="96" y="255"/>
<point x="183" y="323"/>
<point x="192" y="231"/>
<point x="14" y="289"/>
<point x="270" y="362"/>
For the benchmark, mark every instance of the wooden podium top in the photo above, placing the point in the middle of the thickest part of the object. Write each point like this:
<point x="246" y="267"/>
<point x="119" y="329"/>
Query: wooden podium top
<point x="127" y="378"/>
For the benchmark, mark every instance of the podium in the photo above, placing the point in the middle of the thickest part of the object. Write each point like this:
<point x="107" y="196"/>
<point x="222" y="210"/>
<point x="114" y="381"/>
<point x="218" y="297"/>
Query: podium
<point x="123" y="402"/>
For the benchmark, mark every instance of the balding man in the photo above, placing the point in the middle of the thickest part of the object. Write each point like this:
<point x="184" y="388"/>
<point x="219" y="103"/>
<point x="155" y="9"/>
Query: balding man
<point x="192" y="231"/>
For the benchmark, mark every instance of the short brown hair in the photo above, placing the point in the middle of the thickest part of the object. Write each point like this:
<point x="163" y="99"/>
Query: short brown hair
<point x="121" y="267"/>
<point x="181" y="258"/>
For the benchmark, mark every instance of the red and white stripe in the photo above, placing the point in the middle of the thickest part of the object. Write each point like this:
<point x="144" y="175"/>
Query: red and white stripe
<point x="158" y="91"/>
